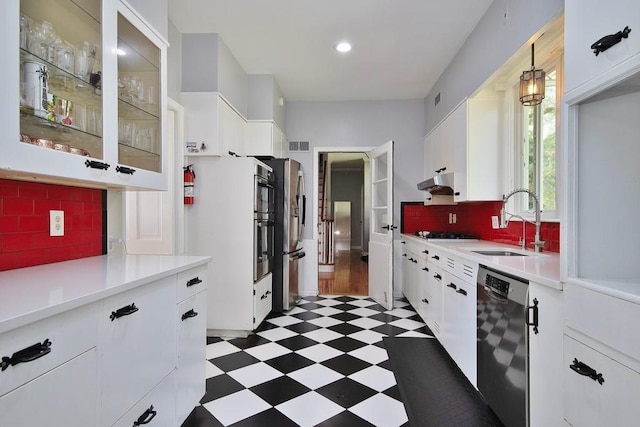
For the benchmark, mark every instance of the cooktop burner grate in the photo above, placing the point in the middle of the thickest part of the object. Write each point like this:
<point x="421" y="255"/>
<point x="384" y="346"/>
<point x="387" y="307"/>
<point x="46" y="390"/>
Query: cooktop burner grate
<point x="445" y="235"/>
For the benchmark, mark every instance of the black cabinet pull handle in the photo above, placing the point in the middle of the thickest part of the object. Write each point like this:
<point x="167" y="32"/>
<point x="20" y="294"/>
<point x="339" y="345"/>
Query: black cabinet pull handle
<point x="268" y="293"/>
<point x="451" y="285"/>
<point x="28" y="354"/>
<point x="436" y="257"/>
<point x="437" y="276"/>
<point x="611" y="40"/>
<point x="457" y="193"/>
<point x="425" y="268"/>
<point x="96" y="164"/>
<point x="462" y="291"/>
<point x="193" y="281"/>
<point x="415" y="261"/>
<point x="146" y="417"/>
<point x="586" y="370"/>
<point x="125" y="170"/>
<point x="404" y="254"/>
<point x="532" y="320"/>
<point x="124" y="311"/>
<point x="441" y="170"/>
<point x="403" y="242"/>
<point x="386" y="227"/>
<point x="424" y="300"/>
<point x="425" y="252"/>
<point x="189" y="314"/>
<point x="428" y="198"/>
<point x="264" y="296"/>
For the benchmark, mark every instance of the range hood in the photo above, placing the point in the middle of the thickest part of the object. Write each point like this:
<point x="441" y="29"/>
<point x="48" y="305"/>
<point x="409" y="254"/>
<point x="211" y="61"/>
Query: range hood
<point x="441" y="184"/>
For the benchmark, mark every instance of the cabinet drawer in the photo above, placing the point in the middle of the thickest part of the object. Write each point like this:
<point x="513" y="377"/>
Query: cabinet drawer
<point x="157" y="407"/>
<point x="604" y="318"/>
<point x="262" y="299"/>
<point x="191" y="282"/>
<point x="589" y="403"/>
<point x="436" y="257"/>
<point x="64" y="396"/>
<point x="70" y="334"/>
<point x="586" y="23"/>
<point x="136" y="350"/>
<point x="462" y="268"/>
<point x="192" y="336"/>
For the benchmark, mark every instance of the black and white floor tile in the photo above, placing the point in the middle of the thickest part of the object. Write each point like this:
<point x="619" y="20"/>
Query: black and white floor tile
<point x="322" y="363"/>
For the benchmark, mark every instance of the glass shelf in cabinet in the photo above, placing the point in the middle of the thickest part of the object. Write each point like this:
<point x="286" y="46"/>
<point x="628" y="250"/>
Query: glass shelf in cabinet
<point x="65" y="84"/>
<point x="130" y="111"/>
<point x="127" y="150"/>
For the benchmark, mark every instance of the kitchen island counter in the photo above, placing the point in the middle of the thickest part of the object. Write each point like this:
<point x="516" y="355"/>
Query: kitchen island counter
<point x="543" y="268"/>
<point x="34" y="293"/>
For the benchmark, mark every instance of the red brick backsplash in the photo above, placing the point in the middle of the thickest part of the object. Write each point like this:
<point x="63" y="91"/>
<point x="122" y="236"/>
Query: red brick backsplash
<point x="475" y="218"/>
<point x="24" y="223"/>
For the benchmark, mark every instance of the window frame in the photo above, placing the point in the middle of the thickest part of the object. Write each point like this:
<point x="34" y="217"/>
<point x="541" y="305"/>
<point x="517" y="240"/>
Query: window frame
<point x="516" y="167"/>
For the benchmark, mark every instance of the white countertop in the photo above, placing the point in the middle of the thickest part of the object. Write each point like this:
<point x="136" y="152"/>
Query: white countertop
<point x="543" y="268"/>
<point x="34" y="293"/>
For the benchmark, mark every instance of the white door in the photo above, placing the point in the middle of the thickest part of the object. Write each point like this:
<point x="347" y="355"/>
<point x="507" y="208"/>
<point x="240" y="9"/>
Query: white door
<point x="381" y="230"/>
<point x="151" y="216"/>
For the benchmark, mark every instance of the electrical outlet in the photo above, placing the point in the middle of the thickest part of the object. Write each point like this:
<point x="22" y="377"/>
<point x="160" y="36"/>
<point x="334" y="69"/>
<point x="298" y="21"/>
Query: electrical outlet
<point x="453" y="218"/>
<point x="450" y="217"/>
<point x="56" y="223"/>
<point x="494" y="222"/>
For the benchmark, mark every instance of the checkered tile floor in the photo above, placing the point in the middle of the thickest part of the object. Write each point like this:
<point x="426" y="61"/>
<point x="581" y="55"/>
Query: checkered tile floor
<point x="320" y="364"/>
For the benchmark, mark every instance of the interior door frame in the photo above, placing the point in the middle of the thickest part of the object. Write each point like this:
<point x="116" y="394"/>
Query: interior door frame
<point x="314" y="202"/>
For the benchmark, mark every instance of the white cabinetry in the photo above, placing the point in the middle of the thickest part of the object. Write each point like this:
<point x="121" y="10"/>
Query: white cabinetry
<point x="42" y="357"/>
<point x="587" y="22"/>
<point x="212" y="126"/>
<point x="459" y="309"/>
<point x="156" y="408"/>
<point x="601" y="358"/>
<point x="73" y="112"/>
<point x="264" y="138"/>
<point x="137" y="328"/>
<point x="192" y="333"/>
<point x="466" y="143"/>
<point x="545" y="356"/>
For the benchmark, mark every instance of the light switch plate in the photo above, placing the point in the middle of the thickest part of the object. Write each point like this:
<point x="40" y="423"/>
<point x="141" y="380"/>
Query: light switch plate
<point x="56" y="223"/>
<point x="494" y="222"/>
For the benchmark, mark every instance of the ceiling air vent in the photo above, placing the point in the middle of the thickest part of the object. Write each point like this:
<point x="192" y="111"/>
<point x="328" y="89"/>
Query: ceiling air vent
<point x="299" y="145"/>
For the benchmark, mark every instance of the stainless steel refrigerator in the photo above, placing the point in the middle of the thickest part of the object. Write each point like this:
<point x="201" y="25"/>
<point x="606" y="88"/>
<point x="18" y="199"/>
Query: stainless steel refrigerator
<point x="290" y="213"/>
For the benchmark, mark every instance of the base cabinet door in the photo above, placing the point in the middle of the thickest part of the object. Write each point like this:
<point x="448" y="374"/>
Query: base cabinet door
<point x="64" y="396"/>
<point x="156" y="409"/>
<point x="607" y="399"/>
<point x="144" y="338"/>
<point x="262" y="299"/>
<point x="192" y="336"/>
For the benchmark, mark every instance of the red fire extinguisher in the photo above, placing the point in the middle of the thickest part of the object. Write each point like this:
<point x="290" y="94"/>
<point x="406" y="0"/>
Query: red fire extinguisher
<point x="189" y="178"/>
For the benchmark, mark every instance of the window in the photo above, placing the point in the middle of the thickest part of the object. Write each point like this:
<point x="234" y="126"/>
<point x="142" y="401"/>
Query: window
<point x="537" y="148"/>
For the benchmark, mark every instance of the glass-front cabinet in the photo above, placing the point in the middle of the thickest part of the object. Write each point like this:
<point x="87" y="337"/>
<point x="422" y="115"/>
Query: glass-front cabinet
<point x="89" y="89"/>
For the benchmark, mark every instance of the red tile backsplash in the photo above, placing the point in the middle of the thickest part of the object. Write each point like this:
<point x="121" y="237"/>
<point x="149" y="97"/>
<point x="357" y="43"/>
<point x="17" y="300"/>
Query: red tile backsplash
<point x="24" y="223"/>
<point x="475" y="218"/>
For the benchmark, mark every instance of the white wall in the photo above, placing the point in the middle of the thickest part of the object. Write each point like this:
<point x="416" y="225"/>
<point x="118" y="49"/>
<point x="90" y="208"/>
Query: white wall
<point x="156" y="12"/>
<point x="174" y="63"/>
<point x="491" y="43"/>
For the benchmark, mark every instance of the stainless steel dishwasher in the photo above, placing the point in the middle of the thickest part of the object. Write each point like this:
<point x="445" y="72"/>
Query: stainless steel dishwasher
<point x="503" y="345"/>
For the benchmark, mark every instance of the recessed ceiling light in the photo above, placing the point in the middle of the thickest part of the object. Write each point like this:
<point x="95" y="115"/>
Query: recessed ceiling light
<point x="343" y="47"/>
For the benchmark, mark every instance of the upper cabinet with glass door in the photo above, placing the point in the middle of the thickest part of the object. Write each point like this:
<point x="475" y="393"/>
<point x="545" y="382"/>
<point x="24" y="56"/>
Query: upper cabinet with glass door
<point x="141" y="57"/>
<point x="59" y="120"/>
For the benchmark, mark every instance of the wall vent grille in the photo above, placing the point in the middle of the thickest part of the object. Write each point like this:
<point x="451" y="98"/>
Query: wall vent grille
<point x="299" y="145"/>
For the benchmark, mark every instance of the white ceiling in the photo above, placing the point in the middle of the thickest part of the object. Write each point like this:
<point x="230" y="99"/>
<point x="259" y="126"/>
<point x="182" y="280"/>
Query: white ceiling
<point x="400" y="47"/>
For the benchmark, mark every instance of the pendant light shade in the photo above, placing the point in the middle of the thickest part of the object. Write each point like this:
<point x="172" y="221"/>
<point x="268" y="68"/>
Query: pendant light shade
<point x="532" y="84"/>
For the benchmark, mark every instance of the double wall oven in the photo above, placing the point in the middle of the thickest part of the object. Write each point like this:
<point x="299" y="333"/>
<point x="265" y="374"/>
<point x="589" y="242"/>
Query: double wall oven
<point x="263" y="221"/>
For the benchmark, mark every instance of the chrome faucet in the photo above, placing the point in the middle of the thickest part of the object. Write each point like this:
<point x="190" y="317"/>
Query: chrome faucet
<point x="504" y="221"/>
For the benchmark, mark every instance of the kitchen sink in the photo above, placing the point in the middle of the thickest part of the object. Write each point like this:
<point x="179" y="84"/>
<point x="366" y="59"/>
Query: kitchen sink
<point x="499" y="253"/>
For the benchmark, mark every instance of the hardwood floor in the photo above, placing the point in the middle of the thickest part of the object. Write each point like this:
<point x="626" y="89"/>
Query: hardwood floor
<point x="350" y="276"/>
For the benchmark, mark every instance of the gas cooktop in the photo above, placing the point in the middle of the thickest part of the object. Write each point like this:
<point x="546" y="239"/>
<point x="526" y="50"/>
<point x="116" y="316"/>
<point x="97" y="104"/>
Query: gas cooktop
<point x="444" y="235"/>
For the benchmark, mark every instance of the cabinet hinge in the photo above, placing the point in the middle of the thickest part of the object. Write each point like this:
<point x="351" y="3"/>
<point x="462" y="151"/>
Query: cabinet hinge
<point x="254" y="320"/>
<point x="254" y="291"/>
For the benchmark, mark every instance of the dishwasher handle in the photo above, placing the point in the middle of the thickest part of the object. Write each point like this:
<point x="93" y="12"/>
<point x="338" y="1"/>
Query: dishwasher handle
<point x="532" y="315"/>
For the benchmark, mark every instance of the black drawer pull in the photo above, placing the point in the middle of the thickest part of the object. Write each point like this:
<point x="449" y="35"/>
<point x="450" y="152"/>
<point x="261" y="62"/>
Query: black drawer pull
<point x="534" y="310"/>
<point x="146" y="417"/>
<point x="441" y="170"/>
<point x="452" y="286"/>
<point x="586" y="370"/>
<point x="437" y="276"/>
<point x="96" y="164"/>
<point x="436" y="257"/>
<point x="425" y="252"/>
<point x="125" y="170"/>
<point x="424" y="300"/>
<point x="189" y="314"/>
<point x="426" y="268"/>
<point x="268" y="293"/>
<point x="193" y="281"/>
<point x="611" y="40"/>
<point x="28" y="354"/>
<point x="462" y="291"/>
<point x="415" y="261"/>
<point x="404" y="254"/>
<point x="124" y="311"/>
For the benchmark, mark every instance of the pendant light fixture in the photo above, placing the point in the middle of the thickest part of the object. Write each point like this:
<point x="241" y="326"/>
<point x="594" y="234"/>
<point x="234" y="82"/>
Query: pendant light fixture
<point x="532" y="84"/>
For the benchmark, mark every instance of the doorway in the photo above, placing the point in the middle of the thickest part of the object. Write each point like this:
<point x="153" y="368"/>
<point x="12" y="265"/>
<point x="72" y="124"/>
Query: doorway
<point x="343" y="222"/>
